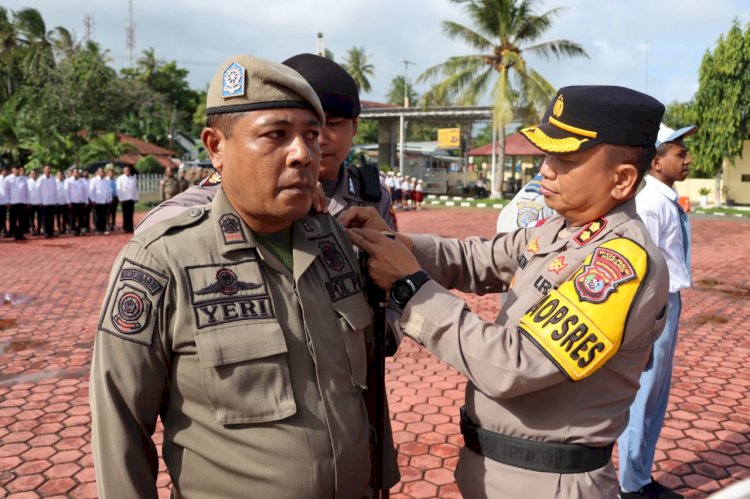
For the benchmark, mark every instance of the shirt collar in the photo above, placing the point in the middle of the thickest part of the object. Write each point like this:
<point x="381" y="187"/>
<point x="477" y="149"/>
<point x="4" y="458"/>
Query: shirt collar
<point x="661" y="187"/>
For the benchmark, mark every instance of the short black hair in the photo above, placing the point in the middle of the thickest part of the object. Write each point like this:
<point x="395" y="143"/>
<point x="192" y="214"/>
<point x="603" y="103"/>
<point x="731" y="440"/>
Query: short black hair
<point x="224" y="122"/>
<point x="638" y="156"/>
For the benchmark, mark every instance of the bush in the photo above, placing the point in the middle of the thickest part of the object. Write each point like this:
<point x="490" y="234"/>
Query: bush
<point x="148" y="165"/>
<point x="704" y="191"/>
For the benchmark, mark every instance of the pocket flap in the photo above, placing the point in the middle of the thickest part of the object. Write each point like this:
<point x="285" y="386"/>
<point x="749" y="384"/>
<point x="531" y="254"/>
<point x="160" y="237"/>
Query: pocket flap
<point x="228" y="345"/>
<point x="354" y="310"/>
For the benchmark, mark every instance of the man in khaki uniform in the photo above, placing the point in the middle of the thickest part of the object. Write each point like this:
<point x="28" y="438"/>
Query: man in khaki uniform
<point x="344" y="184"/>
<point x="238" y="323"/>
<point x="550" y="382"/>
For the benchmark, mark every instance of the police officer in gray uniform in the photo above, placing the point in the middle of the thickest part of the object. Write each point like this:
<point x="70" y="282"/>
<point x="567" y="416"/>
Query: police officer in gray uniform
<point x="238" y="323"/>
<point x="551" y="381"/>
<point x="344" y="184"/>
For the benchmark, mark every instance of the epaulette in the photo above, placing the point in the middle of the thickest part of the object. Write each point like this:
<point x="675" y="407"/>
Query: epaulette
<point x="189" y="217"/>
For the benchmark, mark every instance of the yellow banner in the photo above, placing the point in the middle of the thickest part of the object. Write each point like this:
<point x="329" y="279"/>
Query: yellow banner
<point x="449" y="138"/>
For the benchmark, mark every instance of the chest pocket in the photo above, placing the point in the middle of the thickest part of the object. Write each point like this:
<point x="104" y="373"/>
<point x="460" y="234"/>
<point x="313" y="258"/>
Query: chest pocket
<point x="245" y="373"/>
<point x="353" y="316"/>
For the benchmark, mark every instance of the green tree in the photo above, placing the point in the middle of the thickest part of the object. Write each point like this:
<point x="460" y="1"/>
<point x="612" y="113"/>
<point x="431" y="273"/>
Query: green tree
<point x="397" y="91"/>
<point x="357" y="64"/>
<point x="505" y="32"/>
<point x="35" y="44"/>
<point x="679" y="114"/>
<point x="722" y="102"/>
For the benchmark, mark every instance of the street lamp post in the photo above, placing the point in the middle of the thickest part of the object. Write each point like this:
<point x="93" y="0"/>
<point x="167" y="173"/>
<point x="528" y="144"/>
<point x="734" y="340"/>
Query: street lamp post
<point x="402" y="125"/>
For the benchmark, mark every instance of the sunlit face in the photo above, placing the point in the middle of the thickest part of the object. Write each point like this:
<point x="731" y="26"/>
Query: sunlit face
<point x="47" y="170"/>
<point x="578" y="185"/>
<point x="674" y="166"/>
<point x="269" y="165"/>
<point x="335" y="143"/>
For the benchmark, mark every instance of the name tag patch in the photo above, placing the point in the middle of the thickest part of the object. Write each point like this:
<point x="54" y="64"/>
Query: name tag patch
<point x="230" y="292"/>
<point x="579" y="331"/>
<point x="129" y="310"/>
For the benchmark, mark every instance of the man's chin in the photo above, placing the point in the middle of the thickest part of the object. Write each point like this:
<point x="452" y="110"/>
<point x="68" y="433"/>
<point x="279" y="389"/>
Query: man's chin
<point x="329" y="170"/>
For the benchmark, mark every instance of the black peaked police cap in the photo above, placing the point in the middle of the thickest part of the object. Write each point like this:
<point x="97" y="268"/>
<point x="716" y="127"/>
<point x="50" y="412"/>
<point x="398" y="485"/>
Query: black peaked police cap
<point x="335" y="87"/>
<point x="580" y="117"/>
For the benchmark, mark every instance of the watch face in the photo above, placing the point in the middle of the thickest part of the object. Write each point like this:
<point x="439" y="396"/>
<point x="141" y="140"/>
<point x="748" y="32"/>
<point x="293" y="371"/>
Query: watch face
<point x="402" y="292"/>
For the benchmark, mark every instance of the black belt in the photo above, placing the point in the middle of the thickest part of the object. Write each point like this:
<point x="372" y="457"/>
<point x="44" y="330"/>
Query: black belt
<point x="548" y="457"/>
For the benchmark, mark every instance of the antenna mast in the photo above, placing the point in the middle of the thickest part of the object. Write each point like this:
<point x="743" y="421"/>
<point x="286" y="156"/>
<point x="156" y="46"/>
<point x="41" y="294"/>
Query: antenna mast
<point x="130" y="32"/>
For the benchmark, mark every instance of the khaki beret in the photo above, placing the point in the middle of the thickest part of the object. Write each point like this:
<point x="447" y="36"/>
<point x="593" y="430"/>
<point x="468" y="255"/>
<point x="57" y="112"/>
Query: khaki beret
<point x="247" y="83"/>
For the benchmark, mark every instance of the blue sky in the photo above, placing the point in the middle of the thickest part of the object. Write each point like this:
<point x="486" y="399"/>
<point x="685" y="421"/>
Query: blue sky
<point x="649" y="45"/>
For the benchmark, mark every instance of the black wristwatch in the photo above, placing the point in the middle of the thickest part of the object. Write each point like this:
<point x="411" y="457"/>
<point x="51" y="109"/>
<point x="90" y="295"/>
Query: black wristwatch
<point x="406" y="287"/>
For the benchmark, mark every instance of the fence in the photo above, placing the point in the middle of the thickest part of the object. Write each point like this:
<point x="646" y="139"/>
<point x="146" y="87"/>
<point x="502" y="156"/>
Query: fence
<point x="148" y="183"/>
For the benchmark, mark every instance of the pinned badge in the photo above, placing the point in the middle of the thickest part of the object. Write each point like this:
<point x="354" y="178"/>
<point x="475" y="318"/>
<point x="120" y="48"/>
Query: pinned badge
<point x="227" y="283"/>
<point x="331" y="255"/>
<point x="233" y="83"/>
<point x="557" y="265"/>
<point x="533" y="246"/>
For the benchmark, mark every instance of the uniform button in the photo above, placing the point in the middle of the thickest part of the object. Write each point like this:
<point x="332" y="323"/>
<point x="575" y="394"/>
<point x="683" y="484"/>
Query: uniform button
<point x="195" y="213"/>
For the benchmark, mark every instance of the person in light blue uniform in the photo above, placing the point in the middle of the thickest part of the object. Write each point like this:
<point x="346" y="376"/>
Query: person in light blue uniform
<point x="526" y="207"/>
<point x="669" y="228"/>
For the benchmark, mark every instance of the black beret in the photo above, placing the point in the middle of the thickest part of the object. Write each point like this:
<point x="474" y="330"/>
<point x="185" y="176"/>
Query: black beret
<point x="335" y="87"/>
<point x="581" y="117"/>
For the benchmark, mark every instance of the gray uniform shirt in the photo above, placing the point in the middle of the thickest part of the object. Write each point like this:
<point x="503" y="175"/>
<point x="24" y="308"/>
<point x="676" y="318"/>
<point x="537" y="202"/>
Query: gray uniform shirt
<point x="610" y="277"/>
<point x="256" y="372"/>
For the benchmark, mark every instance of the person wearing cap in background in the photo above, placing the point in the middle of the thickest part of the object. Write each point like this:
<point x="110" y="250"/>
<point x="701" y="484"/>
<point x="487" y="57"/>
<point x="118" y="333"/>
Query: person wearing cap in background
<point x="344" y="184"/>
<point x="550" y="382"/>
<point x="669" y="228"/>
<point x="238" y="323"/>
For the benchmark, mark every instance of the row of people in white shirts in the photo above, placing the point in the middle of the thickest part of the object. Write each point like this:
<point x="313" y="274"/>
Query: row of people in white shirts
<point x="46" y="190"/>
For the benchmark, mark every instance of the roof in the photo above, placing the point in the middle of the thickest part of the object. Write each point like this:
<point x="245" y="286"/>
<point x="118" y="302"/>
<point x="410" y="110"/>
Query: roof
<point x="144" y="148"/>
<point x="515" y="145"/>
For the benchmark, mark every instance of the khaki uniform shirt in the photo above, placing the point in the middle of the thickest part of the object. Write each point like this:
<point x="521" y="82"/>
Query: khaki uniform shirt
<point x="346" y="195"/>
<point x="169" y="188"/>
<point x="606" y="278"/>
<point x="256" y="372"/>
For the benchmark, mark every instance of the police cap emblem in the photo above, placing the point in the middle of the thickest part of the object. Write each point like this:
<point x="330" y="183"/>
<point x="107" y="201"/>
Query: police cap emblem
<point x="233" y="84"/>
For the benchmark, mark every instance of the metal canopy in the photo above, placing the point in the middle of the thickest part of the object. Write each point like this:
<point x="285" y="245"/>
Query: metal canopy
<point x="430" y="114"/>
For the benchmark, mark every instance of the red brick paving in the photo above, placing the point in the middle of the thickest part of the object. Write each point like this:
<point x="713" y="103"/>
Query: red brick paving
<point x="45" y="350"/>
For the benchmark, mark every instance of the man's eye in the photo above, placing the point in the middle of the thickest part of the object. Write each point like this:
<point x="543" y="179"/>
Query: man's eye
<point x="275" y="134"/>
<point x="313" y="135"/>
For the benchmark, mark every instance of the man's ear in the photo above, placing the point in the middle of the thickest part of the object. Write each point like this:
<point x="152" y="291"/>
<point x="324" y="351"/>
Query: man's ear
<point x="355" y="124"/>
<point x="625" y="181"/>
<point x="214" y="141"/>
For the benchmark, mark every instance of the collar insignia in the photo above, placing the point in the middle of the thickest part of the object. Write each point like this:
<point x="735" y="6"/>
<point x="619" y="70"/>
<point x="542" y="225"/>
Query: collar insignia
<point x="533" y="246"/>
<point x="231" y="229"/>
<point x="590" y="231"/>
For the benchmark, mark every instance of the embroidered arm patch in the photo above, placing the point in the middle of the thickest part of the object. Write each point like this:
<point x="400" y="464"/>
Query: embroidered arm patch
<point x="580" y="325"/>
<point x="130" y="308"/>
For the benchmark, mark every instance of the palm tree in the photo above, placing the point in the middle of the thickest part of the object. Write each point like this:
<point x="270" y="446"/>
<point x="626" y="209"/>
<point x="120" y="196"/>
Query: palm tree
<point x="357" y="65"/>
<point x="36" y="44"/>
<point x="147" y="66"/>
<point x="505" y="31"/>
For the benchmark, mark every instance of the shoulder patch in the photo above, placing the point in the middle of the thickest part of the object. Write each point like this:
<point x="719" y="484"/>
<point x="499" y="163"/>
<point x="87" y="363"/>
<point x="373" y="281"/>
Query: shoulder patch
<point x="528" y="212"/>
<point x="580" y="331"/>
<point x="130" y="308"/>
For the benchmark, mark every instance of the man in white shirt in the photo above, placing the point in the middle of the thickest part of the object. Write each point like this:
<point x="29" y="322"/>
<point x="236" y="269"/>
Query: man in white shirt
<point x="86" y="181"/>
<point x="35" y="204"/>
<point x="668" y="226"/>
<point x="127" y="193"/>
<point x="78" y="197"/>
<point x="61" y="211"/>
<point x="100" y="194"/>
<point x="18" y="196"/>
<point x="4" y="171"/>
<point x="47" y="187"/>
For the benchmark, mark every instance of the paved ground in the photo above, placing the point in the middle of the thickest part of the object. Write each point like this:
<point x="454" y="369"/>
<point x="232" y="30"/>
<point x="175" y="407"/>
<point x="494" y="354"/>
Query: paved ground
<point x="45" y="349"/>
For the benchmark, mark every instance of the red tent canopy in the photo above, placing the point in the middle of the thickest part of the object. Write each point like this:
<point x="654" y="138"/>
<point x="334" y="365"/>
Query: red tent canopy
<point x="515" y="145"/>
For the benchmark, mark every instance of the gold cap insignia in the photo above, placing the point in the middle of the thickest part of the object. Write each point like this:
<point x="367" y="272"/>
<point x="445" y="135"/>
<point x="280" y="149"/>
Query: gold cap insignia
<point x="557" y="109"/>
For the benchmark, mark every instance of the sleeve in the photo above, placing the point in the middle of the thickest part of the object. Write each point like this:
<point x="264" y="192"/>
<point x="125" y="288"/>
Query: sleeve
<point x="473" y="265"/>
<point x="498" y="360"/>
<point x="129" y="376"/>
